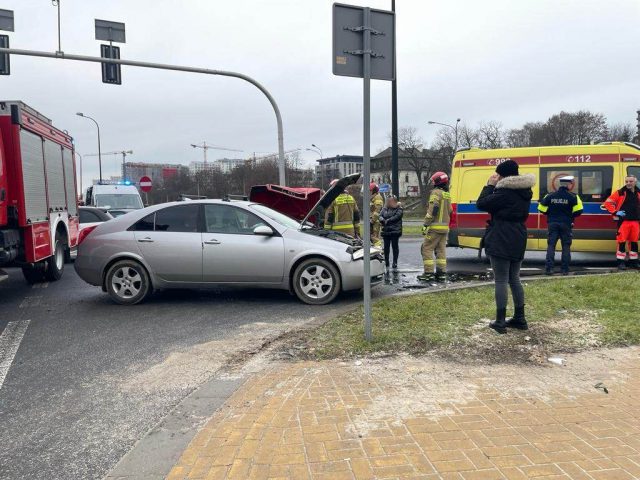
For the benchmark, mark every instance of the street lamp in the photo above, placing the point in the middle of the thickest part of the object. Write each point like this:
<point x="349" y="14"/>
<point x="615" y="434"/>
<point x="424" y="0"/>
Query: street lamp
<point x="80" y="114"/>
<point x="455" y="129"/>
<point x="318" y="150"/>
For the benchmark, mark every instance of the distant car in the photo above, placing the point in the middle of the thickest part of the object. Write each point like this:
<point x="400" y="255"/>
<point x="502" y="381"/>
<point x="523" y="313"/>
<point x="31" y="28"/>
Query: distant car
<point x="90" y="216"/>
<point x="205" y="243"/>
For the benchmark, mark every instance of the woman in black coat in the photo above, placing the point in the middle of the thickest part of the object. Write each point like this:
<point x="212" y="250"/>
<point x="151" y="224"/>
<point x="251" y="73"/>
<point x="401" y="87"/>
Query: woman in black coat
<point x="391" y="221"/>
<point x="507" y="197"/>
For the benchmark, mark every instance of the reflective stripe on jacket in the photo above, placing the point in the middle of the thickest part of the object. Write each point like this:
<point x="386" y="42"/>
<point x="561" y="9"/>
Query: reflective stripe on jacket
<point x="561" y="206"/>
<point x="438" y="211"/>
<point x="376" y="204"/>
<point x="342" y="214"/>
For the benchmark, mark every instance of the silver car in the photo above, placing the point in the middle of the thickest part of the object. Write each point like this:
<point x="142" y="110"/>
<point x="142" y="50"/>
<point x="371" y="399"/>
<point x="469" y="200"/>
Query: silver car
<point x="207" y="243"/>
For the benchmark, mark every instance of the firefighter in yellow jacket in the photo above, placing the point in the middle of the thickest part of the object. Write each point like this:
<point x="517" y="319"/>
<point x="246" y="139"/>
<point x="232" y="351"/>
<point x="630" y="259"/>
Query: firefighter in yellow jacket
<point x="343" y="214"/>
<point x="375" y="205"/>
<point x="436" y="229"/>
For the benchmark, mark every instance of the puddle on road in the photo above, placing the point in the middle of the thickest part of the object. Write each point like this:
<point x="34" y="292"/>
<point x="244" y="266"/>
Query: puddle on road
<point x="407" y="279"/>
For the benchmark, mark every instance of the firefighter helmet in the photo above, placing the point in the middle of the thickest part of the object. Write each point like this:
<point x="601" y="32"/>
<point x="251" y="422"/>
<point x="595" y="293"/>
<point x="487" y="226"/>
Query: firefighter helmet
<point x="373" y="187"/>
<point x="440" y="178"/>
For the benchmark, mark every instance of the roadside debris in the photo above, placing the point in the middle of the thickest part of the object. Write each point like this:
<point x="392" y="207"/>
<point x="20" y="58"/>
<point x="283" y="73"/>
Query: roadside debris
<point x="600" y="386"/>
<point x="556" y="360"/>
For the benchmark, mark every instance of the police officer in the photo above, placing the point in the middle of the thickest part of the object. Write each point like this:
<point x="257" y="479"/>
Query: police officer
<point x="375" y="205"/>
<point x="436" y="229"/>
<point x="561" y="208"/>
<point x="343" y="214"/>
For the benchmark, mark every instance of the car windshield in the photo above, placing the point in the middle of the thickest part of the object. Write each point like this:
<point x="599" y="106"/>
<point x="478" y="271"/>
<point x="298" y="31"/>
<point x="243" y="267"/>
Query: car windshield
<point x="118" y="200"/>
<point x="277" y="216"/>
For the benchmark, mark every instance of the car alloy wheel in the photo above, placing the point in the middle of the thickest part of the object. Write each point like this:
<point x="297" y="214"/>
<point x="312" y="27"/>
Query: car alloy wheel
<point x="127" y="282"/>
<point x="316" y="281"/>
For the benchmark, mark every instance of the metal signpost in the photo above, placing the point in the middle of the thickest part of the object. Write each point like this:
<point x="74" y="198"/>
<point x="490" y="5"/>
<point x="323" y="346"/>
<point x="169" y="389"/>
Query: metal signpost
<point x="364" y="47"/>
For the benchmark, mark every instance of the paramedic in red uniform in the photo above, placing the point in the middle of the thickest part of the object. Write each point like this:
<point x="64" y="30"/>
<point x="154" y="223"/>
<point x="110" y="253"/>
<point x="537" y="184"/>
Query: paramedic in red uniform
<point x="624" y="205"/>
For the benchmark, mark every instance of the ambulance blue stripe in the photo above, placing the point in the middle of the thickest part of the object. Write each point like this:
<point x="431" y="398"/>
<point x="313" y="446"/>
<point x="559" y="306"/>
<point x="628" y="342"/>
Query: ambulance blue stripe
<point x="589" y="208"/>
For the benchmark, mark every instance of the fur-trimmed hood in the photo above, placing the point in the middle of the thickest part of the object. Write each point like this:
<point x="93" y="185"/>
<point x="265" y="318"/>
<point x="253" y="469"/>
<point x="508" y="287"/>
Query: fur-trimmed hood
<point x="518" y="182"/>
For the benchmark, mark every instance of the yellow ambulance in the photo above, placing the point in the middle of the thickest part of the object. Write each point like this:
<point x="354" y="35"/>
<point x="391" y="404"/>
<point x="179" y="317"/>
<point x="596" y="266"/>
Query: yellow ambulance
<point x="598" y="170"/>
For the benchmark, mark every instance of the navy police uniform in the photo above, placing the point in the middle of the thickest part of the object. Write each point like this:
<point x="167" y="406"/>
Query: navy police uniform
<point x="561" y="208"/>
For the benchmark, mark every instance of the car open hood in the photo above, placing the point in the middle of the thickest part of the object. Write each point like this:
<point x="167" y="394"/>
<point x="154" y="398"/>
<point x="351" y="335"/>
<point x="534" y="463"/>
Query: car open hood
<point x="331" y="194"/>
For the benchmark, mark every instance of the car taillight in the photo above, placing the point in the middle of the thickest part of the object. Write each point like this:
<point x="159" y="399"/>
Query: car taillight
<point x="453" y="220"/>
<point x="84" y="232"/>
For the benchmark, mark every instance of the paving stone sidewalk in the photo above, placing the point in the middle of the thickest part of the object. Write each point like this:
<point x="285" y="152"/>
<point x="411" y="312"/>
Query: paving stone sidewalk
<point x="423" y="418"/>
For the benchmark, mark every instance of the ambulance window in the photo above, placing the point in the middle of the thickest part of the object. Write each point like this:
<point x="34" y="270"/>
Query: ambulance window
<point x="635" y="171"/>
<point x="593" y="184"/>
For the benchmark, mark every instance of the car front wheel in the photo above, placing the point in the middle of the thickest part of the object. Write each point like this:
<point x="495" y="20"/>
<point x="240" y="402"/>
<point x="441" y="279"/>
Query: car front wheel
<point x="127" y="282"/>
<point x="316" y="281"/>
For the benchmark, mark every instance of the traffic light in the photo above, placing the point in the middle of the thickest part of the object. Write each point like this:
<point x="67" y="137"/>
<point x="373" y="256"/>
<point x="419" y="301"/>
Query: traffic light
<point x="5" y="67"/>
<point x="111" y="72"/>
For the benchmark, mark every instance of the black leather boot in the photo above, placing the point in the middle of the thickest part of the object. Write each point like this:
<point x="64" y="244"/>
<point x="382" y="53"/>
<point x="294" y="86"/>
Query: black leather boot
<point x="499" y="324"/>
<point x="518" y="321"/>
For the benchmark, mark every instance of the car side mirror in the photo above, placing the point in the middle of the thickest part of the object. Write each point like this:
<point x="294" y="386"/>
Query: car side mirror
<point x="263" y="230"/>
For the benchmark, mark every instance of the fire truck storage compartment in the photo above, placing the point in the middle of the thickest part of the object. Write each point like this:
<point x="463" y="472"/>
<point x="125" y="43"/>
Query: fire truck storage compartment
<point x="55" y="176"/>
<point x="35" y="192"/>
<point x="70" y="185"/>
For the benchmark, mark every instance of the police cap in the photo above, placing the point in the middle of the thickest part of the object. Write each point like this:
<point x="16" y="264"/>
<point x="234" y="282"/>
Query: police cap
<point x="567" y="179"/>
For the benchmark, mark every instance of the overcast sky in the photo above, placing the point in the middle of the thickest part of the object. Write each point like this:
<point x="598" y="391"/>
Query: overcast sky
<point x="506" y="60"/>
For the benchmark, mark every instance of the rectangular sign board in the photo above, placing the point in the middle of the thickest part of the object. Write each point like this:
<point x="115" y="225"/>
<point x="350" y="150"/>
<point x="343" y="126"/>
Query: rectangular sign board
<point x="6" y="20"/>
<point x="110" y="31"/>
<point x="348" y="21"/>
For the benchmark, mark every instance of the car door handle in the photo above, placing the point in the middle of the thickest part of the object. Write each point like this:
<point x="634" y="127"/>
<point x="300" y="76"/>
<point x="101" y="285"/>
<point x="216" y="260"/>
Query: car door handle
<point x="145" y="240"/>
<point x="213" y="241"/>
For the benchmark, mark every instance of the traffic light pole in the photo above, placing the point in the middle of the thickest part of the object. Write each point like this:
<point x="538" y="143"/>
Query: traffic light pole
<point x="178" y="68"/>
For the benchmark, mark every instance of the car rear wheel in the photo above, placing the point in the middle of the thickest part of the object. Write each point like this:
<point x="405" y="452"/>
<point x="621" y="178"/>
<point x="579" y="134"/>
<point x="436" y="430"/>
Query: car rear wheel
<point x="316" y="281"/>
<point x="127" y="282"/>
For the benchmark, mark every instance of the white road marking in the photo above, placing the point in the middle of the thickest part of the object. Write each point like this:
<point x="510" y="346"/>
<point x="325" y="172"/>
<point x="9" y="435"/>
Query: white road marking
<point x="598" y="268"/>
<point x="30" y="302"/>
<point x="40" y="285"/>
<point x="9" y="343"/>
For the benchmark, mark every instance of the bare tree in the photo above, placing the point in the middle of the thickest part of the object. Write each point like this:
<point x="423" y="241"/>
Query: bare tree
<point x="420" y="160"/>
<point x="490" y="134"/>
<point x="467" y="136"/>
<point x="621" y="132"/>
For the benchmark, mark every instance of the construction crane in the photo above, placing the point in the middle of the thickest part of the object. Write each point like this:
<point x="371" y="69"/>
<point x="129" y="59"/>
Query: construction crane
<point x="124" y="154"/>
<point x="206" y="147"/>
<point x="271" y="154"/>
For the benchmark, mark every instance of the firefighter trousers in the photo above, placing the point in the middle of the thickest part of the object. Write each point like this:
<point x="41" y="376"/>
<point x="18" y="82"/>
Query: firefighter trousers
<point x="435" y="244"/>
<point x="375" y="234"/>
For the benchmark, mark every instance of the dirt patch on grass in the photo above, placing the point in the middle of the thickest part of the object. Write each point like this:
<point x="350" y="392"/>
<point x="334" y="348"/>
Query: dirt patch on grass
<point x="573" y="331"/>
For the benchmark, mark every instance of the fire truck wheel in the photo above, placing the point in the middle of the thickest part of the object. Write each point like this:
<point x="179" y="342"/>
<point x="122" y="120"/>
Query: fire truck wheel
<point x="127" y="282"/>
<point x="316" y="281"/>
<point x="33" y="275"/>
<point x="55" y="263"/>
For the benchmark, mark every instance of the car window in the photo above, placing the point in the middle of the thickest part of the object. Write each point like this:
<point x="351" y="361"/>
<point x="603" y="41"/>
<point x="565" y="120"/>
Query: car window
<point x="227" y="219"/>
<point x="182" y="218"/>
<point x="634" y="171"/>
<point x="144" y="225"/>
<point x="87" y="216"/>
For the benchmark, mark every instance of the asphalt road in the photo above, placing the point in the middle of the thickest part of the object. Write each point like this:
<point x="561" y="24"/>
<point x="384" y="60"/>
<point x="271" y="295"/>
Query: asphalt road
<point x="90" y="378"/>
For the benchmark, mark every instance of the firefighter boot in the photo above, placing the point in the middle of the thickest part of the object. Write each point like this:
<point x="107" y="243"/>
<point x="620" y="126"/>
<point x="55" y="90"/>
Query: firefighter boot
<point x="518" y="321"/>
<point x="440" y="276"/>
<point x="621" y="265"/>
<point x="499" y="324"/>
<point x="426" y="277"/>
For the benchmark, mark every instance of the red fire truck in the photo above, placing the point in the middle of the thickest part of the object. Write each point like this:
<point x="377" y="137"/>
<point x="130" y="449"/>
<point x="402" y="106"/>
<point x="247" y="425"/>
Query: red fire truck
<point x="38" y="205"/>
